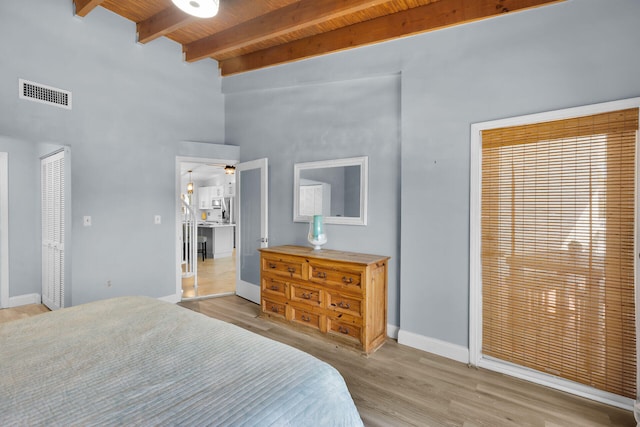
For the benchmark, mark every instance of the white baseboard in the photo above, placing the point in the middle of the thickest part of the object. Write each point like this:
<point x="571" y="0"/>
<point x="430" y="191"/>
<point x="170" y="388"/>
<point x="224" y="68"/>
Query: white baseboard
<point x="24" y="300"/>
<point x="175" y="298"/>
<point x="435" y="346"/>
<point x="392" y="331"/>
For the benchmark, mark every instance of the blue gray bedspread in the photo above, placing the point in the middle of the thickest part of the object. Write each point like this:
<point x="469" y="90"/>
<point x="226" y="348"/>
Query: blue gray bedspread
<point x="140" y="361"/>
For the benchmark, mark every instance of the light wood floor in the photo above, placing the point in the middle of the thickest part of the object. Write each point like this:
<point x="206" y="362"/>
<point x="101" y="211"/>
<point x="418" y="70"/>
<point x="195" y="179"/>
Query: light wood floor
<point x="401" y="386"/>
<point x="215" y="276"/>
<point x="15" y="313"/>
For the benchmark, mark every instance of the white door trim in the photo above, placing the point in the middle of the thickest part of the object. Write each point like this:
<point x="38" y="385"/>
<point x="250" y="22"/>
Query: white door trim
<point x="53" y="190"/>
<point x="4" y="230"/>
<point x="475" y="271"/>
<point x="177" y="297"/>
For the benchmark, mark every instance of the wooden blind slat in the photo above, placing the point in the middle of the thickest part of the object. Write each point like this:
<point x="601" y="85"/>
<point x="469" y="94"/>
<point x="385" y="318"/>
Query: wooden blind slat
<point x="557" y="249"/>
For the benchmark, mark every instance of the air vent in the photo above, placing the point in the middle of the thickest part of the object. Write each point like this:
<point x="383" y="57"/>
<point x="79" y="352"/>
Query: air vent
<point x="45" y="94"/>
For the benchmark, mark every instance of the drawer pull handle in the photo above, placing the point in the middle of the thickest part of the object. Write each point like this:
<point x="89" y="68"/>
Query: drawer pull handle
<point x="343" y="330"/>
<point x="341" y="304"/>
<point x="346" y="279"/>
<point x="306" y="318"/>
<point x="291" y="270"/>
<point x="274" y="308"/>
<point x="272" y="265"/>
<point x="275" y="287"/>
<point x="322" y="275"/>
<point x="306" y="296"/>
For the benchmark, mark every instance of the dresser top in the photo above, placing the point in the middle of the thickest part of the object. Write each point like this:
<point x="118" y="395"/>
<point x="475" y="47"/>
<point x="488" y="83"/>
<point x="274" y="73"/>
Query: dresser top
<point x="325" y="254"/>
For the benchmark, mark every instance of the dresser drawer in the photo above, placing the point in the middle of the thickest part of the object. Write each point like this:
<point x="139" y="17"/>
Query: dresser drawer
<point x="350" y="281"/>
<point x="344" y="304"/>
<point x="344" y="329"/>
<point x="304" y="317"/>
<point x="305" y="294"/>
<point x="274" y="286"/>
<point x="274" y="308"/>
<point x="289" y="267"/>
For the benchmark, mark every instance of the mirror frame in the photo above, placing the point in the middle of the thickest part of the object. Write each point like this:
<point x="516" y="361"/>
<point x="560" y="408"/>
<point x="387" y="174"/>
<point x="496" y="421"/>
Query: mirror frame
<point x="363" y="162"/>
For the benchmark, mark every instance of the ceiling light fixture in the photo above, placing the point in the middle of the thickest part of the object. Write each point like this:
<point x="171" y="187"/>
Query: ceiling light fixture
<point x="229" y="170"/>
<point x="199" y="8"/>
<point x="190" y="184"/>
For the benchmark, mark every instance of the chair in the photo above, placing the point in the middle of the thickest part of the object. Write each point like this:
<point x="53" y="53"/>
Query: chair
<point x="202" y="246"/>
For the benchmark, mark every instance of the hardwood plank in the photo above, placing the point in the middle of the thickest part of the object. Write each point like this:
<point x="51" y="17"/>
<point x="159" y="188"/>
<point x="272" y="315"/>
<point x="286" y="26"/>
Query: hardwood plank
<point x="215" y="276"/>
<point x="21" y="312"/>
<point x="402" y="386"/>
<point x="420" y="19"/>
<point x="162" y="23"/>
<point x="83" y="7"/>
<point x="295" y="17"/>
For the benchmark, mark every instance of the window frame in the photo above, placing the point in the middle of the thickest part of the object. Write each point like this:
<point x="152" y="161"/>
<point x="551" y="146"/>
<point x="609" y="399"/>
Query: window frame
<point x="475" y="268"/>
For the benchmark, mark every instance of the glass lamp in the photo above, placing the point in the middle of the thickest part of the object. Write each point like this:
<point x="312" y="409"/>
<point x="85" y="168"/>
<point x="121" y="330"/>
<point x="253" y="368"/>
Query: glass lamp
<point x="317" y="236"/>
<point x="190" y="185"/>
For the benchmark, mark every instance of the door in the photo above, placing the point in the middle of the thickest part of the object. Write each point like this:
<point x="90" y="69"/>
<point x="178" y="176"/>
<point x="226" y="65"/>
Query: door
<point x="252" y="198"/>
<point x="53" y="219"/>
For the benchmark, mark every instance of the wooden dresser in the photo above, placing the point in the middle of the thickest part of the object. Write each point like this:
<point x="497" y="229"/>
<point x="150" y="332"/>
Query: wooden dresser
<point x="340" y="294"/>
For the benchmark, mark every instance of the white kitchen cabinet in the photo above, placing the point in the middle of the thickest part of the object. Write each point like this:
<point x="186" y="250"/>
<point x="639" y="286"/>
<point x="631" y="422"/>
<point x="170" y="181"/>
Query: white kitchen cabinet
<point x="223" y="241"/>
<point x="217" y="191"/>
<point x="206" y="195"/>
<point x="230" y="186"/>
<point x="220" y="239"/>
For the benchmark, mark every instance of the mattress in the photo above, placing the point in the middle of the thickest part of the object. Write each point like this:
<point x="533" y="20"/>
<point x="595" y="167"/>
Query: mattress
<point x="140" y="361"/>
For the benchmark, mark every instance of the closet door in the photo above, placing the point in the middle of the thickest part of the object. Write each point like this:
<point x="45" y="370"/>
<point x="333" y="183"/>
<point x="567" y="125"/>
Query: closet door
<point x="52" y="188"/>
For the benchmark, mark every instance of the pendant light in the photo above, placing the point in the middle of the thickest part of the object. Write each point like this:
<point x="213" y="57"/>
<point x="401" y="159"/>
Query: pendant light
<point x="199" y="8"/>
<point x="190" y="184"/>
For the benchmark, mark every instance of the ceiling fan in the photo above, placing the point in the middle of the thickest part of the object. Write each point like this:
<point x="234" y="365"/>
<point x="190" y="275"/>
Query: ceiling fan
<point x="228" y="169"/>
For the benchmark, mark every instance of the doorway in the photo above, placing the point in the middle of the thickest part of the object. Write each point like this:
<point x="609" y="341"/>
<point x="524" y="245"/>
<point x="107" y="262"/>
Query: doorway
<point x="207" y="228"/>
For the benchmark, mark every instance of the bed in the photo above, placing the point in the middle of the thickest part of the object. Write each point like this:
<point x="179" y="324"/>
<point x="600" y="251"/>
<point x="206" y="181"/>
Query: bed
<point x="140" y="361"/>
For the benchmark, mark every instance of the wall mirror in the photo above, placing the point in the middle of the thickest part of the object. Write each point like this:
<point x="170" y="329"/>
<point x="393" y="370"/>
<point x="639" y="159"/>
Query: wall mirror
<point x="336" y="189"/>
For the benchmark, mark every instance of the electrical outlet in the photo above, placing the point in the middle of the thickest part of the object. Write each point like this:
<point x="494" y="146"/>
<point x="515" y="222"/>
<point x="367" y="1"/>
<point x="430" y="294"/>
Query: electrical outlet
<point x="157" y="219"/>
<point x="108" y="283"/>
<point x="86" y="221"/>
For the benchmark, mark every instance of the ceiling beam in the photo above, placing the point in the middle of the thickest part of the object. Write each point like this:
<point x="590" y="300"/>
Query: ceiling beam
<point x="295" y="17"/>
<point x="162" y="23"/>
<point x="83" y="7"/>
<point x="441" y="14"/>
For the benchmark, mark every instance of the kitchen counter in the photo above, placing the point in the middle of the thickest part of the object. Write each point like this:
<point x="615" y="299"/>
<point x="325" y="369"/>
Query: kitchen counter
<point x="215" y="224"/>
<point x="220" y="238"/>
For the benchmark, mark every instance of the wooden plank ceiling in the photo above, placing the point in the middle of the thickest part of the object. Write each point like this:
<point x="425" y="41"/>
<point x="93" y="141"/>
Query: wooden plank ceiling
<point x="251" y="34"/>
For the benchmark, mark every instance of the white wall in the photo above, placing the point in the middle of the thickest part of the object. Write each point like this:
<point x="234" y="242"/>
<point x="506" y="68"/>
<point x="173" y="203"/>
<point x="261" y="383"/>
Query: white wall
<point x="132" y="104"/>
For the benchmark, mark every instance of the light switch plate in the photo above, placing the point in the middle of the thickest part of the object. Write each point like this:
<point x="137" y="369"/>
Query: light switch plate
<point x="157" y="219"/>
<point x="86" y="221"/>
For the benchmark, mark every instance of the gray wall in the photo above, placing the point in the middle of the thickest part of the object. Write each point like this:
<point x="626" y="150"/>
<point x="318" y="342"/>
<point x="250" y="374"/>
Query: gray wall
<point x="407" y="104"/>
<point x="132" y="104"/>
<point x="309" y="122"/>
<point x="349" y="103"/>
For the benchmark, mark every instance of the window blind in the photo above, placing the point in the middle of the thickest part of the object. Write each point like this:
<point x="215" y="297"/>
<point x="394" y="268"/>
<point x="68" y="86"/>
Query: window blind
<point x="557" y="248"/>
